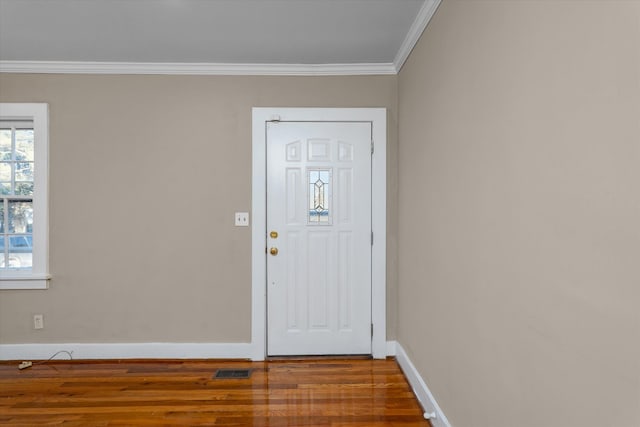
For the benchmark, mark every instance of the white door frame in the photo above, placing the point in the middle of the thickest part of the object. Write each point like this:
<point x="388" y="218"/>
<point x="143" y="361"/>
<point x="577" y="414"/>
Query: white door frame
<point x="378" y="118"/>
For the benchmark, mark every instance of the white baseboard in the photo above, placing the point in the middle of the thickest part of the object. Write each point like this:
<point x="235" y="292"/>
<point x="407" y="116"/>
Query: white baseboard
<point x="128" y="351"/>
<point x="420" y="389"/>
<point x="391" y="348"/>
<point x="139" y="351"/>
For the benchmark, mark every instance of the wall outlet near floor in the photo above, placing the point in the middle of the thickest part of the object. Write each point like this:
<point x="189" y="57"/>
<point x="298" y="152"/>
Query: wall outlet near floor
<point x="38" y="321"/>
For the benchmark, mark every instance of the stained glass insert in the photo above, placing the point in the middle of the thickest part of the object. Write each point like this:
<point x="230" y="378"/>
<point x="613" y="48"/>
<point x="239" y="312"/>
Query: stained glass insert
<point x="319" y="196"/>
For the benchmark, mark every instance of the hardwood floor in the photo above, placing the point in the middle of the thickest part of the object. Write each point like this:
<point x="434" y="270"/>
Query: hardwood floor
<point x="323" y="392"/>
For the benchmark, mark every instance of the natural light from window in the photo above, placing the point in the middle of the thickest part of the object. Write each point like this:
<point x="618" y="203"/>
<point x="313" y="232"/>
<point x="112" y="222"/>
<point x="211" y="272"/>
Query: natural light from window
<point x="23" y="196"/>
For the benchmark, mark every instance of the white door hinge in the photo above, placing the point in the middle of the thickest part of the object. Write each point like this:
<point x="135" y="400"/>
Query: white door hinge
<point x="372" y="147"/>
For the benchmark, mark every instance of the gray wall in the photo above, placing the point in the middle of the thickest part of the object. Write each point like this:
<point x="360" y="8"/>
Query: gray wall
<point x="519" y="223"/>
<point x="146" y="173"/>
<point x="516" y="243"/>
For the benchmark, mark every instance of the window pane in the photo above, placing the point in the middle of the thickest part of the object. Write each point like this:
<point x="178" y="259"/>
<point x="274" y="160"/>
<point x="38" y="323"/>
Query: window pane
<point x="13" y="262"/>
<point x="20" y="260"/>
<point x="24" y="171"/>
<point x="24" y="144"/>
<point x="21" y="251"/>
<point x="5" y="171"/>
<point x="24" y="188"/>
<point x="5" y="188"/>
<point x="20" y="216"/>
<point x="5" y="144"/>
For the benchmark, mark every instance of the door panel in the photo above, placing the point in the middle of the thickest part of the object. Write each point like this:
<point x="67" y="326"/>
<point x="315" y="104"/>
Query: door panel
<point x="319" y="204"/>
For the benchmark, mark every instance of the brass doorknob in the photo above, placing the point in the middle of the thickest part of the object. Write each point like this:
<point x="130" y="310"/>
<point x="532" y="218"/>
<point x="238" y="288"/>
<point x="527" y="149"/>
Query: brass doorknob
<point x="274" y="251"/>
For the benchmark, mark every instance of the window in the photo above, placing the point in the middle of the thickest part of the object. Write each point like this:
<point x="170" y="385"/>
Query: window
<point x="24" y="150"/>
<point x="319" y="183"/>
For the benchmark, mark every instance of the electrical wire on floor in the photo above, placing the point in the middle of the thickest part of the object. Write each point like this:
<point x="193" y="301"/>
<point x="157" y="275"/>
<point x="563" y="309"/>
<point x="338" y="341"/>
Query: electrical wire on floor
<point x="27" y="364"/>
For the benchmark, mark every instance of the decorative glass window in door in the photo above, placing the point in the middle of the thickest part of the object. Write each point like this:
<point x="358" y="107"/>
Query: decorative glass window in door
<point x="319" y="184"/>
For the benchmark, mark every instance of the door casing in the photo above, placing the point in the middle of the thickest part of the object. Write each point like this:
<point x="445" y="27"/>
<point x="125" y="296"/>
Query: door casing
<point x="378" y="118"/>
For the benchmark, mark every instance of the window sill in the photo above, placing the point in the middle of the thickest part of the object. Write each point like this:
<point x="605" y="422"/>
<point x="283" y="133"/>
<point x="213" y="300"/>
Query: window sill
<point x="40" y="281"/>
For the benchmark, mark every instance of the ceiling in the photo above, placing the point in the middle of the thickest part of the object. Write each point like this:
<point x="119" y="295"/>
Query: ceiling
<point x="303" y="32"/>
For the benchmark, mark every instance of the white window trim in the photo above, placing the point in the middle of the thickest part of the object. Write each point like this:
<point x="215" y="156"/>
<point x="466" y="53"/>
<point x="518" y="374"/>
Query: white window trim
<point x="38" y="277"/>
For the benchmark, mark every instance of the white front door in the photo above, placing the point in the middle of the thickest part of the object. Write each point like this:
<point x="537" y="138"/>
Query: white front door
<point x="318" y="238"/>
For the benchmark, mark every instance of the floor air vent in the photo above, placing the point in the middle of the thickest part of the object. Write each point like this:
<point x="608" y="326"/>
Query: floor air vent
<point x="232" y="373"/>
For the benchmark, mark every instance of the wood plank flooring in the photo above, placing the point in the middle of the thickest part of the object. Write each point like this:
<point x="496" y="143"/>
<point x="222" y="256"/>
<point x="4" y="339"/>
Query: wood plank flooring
<point x="323" y="392"/>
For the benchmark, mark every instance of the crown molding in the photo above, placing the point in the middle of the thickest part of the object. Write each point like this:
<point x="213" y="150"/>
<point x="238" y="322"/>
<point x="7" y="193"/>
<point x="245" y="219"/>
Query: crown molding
<point x="76" y="67"/>
<point x="425" y="14"/>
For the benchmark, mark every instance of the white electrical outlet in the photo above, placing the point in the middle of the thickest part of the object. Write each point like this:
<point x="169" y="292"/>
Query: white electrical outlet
<point x="242" y="219"/>
<point x="38" y="321"/>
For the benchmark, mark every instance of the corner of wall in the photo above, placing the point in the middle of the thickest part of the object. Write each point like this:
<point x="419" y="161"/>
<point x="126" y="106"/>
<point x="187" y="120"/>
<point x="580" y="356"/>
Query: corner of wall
<point x="432" y="410"/>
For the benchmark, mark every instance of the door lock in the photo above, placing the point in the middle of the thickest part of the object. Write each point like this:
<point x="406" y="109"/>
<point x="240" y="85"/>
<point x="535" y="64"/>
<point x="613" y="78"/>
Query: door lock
<point x="273" y="234"/>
